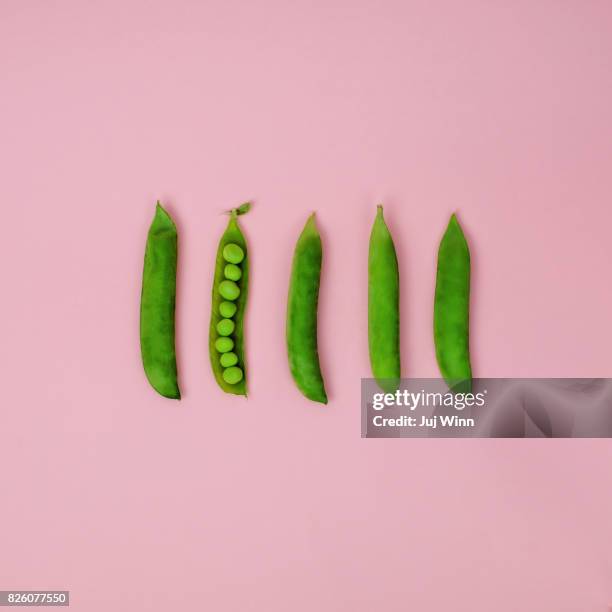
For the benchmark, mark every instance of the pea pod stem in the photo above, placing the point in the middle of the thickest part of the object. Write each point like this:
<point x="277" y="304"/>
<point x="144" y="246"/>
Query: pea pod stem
<point x="452" y="309"/>
<point x="243" y="209"/>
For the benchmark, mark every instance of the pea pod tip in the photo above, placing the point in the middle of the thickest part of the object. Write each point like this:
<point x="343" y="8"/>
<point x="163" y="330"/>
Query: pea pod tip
<point x="454" y="219"/>
<point x="160" y="208"/>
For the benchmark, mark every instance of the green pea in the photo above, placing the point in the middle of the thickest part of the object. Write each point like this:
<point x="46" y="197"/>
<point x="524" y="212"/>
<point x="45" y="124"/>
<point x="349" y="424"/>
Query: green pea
<point x="233" y="253"/>
<point x="224" y="344"/>
<point x="452" y="309"/>
<point x="227" y="309"/>
<point x="228" y="359"/>
<point x="232" y="375"/>
<point x="229" y="299"/>
<point x="302" y="314"/>
<point x="383" y="306"/>
<point x="229" y="290"/>
<point x="225" y="327"/>
<point x="157" y="305"/>
<point x="232" y="272"/>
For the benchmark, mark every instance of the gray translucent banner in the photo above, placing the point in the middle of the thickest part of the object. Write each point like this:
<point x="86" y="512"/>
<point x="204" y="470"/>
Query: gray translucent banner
<point x="493" y="408"/>
<point x="34" y="598"/>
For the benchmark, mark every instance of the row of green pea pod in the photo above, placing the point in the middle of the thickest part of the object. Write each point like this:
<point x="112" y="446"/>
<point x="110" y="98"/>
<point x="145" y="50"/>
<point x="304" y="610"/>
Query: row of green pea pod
<point x="230" y="296"/>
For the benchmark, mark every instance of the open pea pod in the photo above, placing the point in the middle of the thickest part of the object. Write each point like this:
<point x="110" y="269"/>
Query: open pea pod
<point x="229" y="299"/>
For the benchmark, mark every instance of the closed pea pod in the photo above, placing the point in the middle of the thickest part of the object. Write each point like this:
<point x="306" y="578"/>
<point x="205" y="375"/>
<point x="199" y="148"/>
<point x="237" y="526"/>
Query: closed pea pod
<point x="157" y="305"/>
<point x="302" y="304"/>
<point x="229" y="299"/>
<point x="383" y="306"/>
<point x="452" y="309"/>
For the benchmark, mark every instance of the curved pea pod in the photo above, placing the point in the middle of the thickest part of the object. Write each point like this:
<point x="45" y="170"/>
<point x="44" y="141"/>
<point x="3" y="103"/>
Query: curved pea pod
<point x="229" y="299"/>
<point x="452" y="309"/>
<point x="383" y="306"/>
<point x="302" y="314"/>
<point x="157" y="305"/>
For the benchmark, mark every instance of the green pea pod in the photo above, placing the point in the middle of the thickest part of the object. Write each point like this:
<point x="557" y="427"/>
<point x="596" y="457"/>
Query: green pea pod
<point x="452" y="309"/>
<point x="157" y="305"/>
<point x="229" y="299"/>
<point x="383" y="306"/>
<point x="302" y="314"/>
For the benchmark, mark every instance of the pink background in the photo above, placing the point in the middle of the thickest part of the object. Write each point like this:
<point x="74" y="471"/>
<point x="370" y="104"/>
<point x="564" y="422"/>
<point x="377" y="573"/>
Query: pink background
<point x="497" y="110"/>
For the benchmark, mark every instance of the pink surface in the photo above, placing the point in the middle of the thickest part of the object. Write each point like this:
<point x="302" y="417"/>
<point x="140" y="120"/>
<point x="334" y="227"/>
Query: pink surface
<point x="497" y="110"/>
